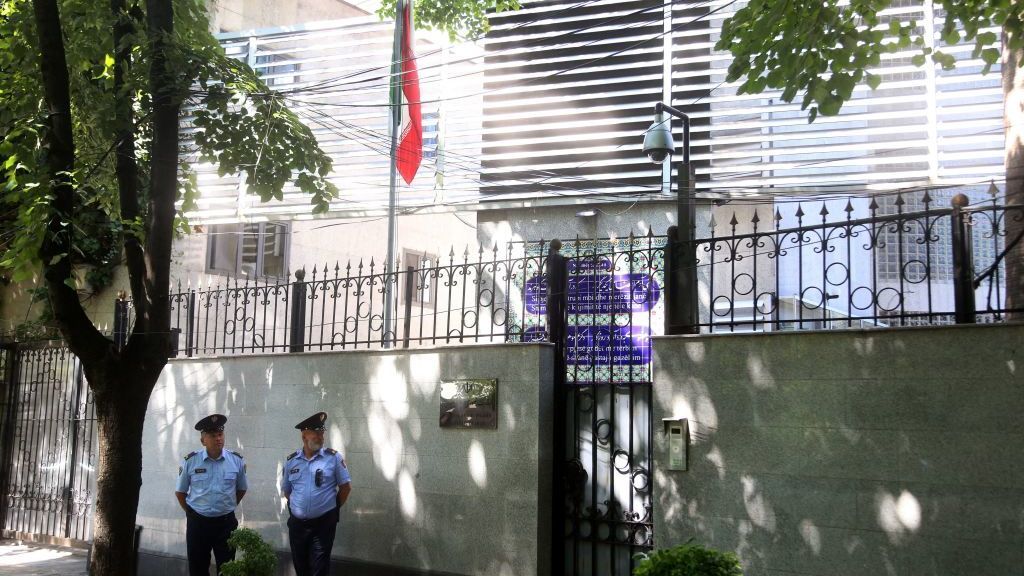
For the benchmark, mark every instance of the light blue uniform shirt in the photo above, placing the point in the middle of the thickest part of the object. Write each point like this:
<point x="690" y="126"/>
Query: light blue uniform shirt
<point x="298" y="478"/>
<point x="211" y="484"/>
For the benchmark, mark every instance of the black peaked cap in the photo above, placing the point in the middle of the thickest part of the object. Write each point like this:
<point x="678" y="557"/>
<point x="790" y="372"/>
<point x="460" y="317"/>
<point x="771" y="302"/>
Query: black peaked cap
<point x="317" y="421"/>
<point x="212" y="423"/>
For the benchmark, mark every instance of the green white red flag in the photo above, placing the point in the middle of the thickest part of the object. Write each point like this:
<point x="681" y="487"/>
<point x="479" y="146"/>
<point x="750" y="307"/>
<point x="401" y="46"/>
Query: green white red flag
<point x="405" y="98"/>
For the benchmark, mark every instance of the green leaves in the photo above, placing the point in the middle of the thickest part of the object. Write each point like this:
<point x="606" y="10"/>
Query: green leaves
<point x="816" y="47"/>
<point x="459" y="18"/>
<point x="256" y="557"/>
<point x="989" y="56"/>
<point x="689" y="559"/>
<point x="244" y="127"/>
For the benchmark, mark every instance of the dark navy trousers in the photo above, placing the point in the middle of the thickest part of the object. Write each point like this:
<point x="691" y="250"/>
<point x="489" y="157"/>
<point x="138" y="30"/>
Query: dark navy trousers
<point x="311" y="542"/>
<point x="204" y="534"/>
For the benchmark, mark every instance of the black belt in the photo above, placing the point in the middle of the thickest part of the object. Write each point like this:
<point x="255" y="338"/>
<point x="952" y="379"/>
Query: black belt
<point x="330" y="516"/>
<point x="191" y="513"/>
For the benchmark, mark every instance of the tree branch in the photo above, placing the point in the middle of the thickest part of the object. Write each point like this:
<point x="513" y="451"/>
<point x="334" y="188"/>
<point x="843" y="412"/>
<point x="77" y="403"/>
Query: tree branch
<point x="126" y="166"/>
<point x="164" y="173"/>
<point x="83" y="338"/>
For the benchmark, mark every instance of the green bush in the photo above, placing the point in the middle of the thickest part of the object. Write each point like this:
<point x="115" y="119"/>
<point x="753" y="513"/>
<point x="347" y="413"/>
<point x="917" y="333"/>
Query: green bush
<point x="689" y="560"/>
<point x="257" y="557"/>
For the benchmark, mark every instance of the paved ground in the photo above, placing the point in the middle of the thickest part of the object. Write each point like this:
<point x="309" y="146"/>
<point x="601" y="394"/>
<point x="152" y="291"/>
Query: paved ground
<point x="37" y="560"/>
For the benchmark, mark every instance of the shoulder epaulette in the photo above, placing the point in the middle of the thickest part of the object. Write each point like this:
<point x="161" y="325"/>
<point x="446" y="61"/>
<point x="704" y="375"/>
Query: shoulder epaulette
<point x="239" y="454"/>
<point x="290" y="456"/>
<point x="190" y="454"/>
<point x="330" y="451"/>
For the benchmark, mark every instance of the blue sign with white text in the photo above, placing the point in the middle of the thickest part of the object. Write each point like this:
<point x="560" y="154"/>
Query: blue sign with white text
<point x="614" y="305"/>
<point x="602" y="345"/>
<point x="598" y="294"/>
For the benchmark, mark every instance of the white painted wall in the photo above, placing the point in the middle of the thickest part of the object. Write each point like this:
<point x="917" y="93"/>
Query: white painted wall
<point x="457" y="501"/>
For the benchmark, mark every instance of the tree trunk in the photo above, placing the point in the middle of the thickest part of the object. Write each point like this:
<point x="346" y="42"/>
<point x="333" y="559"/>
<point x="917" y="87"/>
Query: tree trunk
<point x="121" y="397"/>
<point x="1013" y="117"/>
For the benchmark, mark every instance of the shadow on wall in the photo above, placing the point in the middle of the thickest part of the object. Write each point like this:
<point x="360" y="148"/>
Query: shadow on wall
<point x="460" y="501"/>
<point x="848" y="453"/>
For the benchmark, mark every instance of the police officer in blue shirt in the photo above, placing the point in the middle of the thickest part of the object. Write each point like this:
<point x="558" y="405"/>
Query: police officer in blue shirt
<point x="316" y="482"/>
<point x="211" y="483"/>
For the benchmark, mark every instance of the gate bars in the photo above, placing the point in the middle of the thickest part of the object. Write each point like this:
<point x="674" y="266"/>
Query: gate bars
<point x="604" y="299"/>
<point x="49" y="444"/>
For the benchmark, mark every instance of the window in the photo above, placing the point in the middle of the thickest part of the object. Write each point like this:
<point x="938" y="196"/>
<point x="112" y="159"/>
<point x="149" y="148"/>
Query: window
<point x="419" y="267"/>
<point x="431" y="133"/>
<point x="276" y="74"/>
<point x="248" y="250"/>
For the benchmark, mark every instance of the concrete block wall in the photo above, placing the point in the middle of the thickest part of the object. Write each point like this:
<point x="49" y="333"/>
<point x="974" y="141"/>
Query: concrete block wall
<point x="424" y="499"/>
<point x="852" y="453"/>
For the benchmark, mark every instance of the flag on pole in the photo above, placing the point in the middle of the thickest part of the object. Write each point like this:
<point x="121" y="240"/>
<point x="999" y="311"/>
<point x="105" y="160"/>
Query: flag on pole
<point x="405" y="99"/>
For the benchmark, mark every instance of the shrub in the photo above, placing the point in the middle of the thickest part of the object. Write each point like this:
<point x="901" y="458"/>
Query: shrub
<point x="689" y="560"/>
<point x="257" y="557"/>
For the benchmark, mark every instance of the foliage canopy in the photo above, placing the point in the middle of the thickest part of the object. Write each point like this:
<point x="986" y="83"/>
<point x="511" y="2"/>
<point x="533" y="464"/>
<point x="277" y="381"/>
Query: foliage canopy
<point x="823" y="49"/>
<point x="235" y="121"/>
<point x="459" y="18"/>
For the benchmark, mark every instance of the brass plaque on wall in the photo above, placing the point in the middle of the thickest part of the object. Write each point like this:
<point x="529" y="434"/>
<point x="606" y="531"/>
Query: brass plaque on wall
<point x="469" y="403"/>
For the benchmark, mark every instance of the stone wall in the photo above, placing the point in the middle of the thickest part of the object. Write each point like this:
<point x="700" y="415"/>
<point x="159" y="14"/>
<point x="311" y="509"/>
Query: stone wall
<point x="424" y="499"/>
<point x="848" y="452"/>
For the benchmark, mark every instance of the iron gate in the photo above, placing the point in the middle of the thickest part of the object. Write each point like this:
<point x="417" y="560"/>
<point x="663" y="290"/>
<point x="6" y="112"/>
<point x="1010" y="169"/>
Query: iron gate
<point x="602" y="317"/>
<point x="49" y="444"/>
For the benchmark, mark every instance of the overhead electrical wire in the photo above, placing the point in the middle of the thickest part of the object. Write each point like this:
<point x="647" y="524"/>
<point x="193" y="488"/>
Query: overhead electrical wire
<point x="460" y="168"/>
<point x="529" y="80"/>
<point x="318" y="86"/>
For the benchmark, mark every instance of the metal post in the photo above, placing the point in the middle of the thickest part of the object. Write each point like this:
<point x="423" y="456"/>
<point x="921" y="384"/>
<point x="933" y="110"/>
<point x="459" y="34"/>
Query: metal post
<point x="190" y="324"/>
<point x="671" y="293"/>
<point x="395" y="126"/>
<point x="120" y="321"/>
<point x="682" y="313"/>
<point x="556" y="307"/>
<point x="174" y="342"/>
<point x="7" y="428"/>
<point x="77" y="419"/>
<point x="686" y="250"/>
<point x="557" y="293"/>
<point x="410" y="285"/>
<point x="297" y="330"/>
<point x="963" y="264"/>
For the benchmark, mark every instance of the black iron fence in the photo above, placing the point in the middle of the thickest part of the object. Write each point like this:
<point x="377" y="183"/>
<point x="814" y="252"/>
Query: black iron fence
<point x="880" y="262"/>
<point x="48" y="438"/>
<point x="480" y="296"/>
<point x="898" y="260"/>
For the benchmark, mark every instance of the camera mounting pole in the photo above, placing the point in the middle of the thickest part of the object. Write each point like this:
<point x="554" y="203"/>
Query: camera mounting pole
<point x="682" y="303"/>
<point x="661" y="107"/>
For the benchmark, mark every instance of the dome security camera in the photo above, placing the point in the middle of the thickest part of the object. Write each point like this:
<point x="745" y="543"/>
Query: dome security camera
<point x="658" y="141"/>
<point x="658" y="155"/>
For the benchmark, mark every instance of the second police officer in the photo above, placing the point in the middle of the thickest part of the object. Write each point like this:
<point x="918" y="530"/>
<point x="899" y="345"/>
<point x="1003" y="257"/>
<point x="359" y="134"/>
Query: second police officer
<point x="211" y="483"/>
<point x="316" y="482"/>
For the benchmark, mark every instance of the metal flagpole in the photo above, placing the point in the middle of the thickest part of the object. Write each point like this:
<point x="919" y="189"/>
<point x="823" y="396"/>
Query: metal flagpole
<point x="387" y="334"/>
